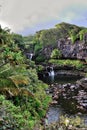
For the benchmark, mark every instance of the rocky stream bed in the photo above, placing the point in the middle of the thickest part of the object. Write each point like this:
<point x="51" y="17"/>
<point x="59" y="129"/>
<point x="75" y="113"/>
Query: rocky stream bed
<point x="68" y="99"/>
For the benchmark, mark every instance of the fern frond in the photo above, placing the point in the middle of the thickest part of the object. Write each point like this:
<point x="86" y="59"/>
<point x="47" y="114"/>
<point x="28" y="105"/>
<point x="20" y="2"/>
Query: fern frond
<point x="19" y="79"/>
<point x="10" y="92"/>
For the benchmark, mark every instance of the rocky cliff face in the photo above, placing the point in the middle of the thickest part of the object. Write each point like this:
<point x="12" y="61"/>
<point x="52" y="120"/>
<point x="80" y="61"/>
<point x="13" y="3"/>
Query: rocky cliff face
<point x="78" y="50"/>
<point x="69" y="50"/>
<point x="70" y="39"/>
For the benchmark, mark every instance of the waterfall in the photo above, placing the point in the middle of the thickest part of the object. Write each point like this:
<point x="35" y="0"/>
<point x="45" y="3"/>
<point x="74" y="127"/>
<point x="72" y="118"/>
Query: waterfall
<point x="31" y="55"/>
<point x="51" y="73"/>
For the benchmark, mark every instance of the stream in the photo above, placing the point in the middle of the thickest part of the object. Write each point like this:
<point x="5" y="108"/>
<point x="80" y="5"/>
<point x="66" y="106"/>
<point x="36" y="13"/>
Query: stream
<point x="55" y="111"/>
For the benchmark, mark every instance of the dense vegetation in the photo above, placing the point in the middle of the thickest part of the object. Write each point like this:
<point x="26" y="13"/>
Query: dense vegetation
<point x="76" y="64"/>
<point x="24" y="101"/>
<point x="49" y="39"/>
<point x="62" y="30"/>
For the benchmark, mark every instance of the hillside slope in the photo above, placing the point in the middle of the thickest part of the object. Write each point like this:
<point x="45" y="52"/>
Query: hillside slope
<point x="69" y="39"/>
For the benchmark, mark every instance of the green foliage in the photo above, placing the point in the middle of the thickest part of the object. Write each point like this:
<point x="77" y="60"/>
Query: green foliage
<point x="47" y="37"/>
<point x="40" y="58"/>
<point x="5" y="37"/>
<point x="10" y="51"/>
<point x="56" y="54"/>
<point x="19" y="83"/>
<point x="65" y="28"/>
<point x="71" y="121"/>
<point x="28" y="39"/>
<point x="18" y="39"/>
<point x="73" y="38"/>
<point x="44" y="38"/>
<point x="13" y="57"/>
<point x="74" y="63"/>
<point x="51" y="36"/>
<point x="11" y="79"/>
<point x="28" y="43"/>
<point x="40" y="68"/>
<point x="81" y="33"/>
<point x="37" y="48"/>
<point x="74" y="34"/>
<point x="12" y="117"/>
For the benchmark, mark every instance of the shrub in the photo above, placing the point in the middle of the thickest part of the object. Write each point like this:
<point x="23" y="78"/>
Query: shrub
<point x="37" y="48"/>
<point x="40" y="58"/>
<point x="56" y="54"/>
<point x="74" y="63"/>
<point x="12" y="116"/>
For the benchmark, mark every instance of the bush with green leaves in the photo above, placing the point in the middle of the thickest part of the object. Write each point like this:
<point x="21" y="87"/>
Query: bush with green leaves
<point x="56" y="54"/>
<point x="74" y="34"/>
<point x="22" y="87"/>
<point x="27" y="100"/>
<point x="40" y="58"/>
<point x="82" y="33"/>
<point x="37" y="48"/>
<point x="12" y="117"/>
<point x="51" y="36"/>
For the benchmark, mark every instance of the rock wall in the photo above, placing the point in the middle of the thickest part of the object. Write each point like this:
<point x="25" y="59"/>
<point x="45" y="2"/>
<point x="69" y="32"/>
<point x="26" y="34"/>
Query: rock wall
<point x="77" y="50"/>
<point x="69" y="50"/>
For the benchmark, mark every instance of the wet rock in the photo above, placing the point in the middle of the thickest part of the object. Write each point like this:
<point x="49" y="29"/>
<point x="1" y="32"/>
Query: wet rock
<point x="72" y="87"/>
<point x="83" y="82"/>
<point x="75" y="96"/>
<point x="77" y="50"/>
<point x="54" y="102"/>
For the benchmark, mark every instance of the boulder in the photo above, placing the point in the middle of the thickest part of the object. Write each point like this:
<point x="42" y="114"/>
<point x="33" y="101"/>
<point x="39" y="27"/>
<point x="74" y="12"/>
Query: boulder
<point x="83" y="82"/>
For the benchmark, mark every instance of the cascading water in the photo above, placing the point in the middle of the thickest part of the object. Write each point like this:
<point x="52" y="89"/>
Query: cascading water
<point x="51" y="73"/>
<point x="31" y="55"/>
<point x="60" y="78"/>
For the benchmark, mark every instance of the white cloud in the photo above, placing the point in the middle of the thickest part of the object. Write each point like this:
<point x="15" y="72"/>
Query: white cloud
<point x="21" y="14"/>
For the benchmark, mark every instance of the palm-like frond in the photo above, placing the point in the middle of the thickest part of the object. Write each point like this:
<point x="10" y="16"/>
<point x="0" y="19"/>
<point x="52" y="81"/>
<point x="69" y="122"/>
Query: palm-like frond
<point x="19" y="80"/>
<point x="14" y="79"/>
<point x="14" y="82"/>
<point x="10" y="92"/>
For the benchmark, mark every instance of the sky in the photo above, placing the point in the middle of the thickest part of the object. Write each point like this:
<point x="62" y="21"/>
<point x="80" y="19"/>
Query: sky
<point x="28" y="16"/>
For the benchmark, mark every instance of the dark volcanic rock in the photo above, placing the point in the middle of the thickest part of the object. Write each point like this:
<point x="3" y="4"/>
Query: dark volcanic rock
<point x="72" y="97"/>
<point x="78" y="50"/>
<point x="83" y="82"/>
<point x="76" y="98"/>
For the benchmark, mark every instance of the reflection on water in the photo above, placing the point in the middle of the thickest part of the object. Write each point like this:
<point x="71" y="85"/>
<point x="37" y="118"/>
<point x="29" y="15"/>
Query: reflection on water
<point x="55" y="111"/>
<point x="61" y="79"/>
